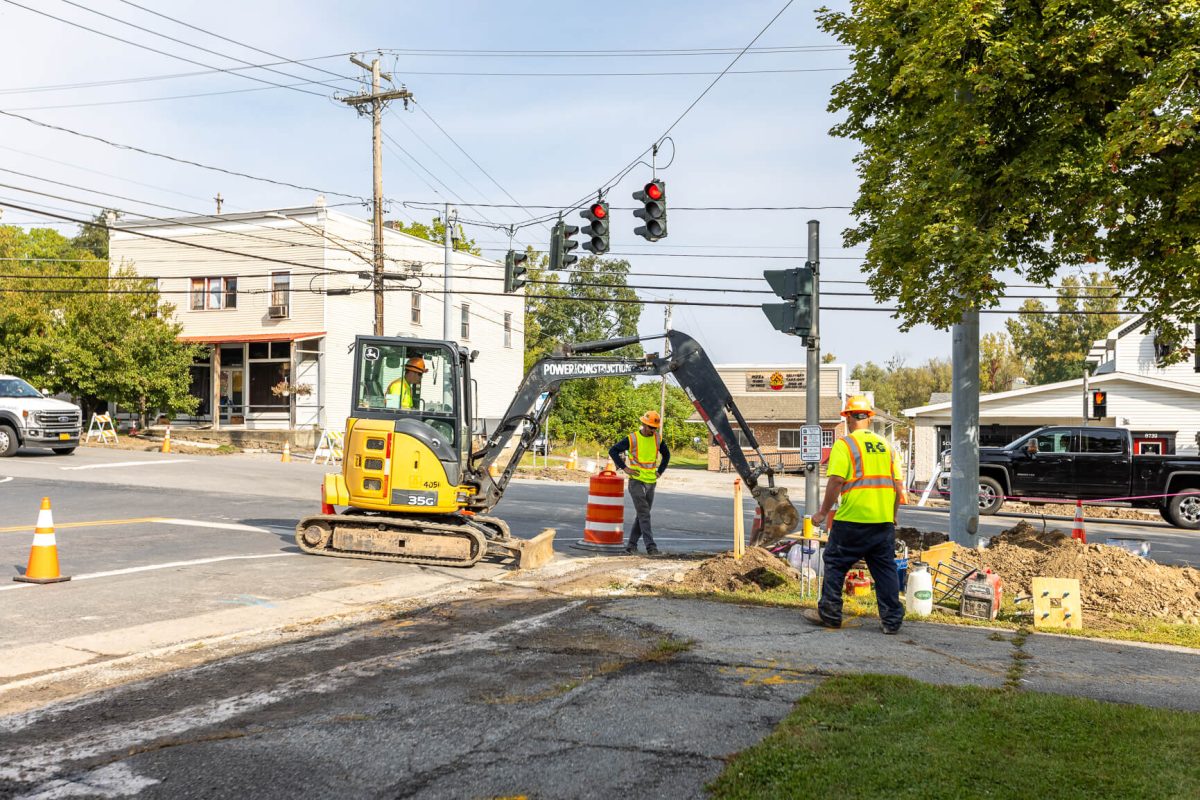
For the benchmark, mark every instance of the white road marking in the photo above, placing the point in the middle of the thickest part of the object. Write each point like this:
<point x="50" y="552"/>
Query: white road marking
<point x="151" y="567"/>
<point x="200" y="523"/>
<point x="5" y="480"/>
<point x="40" y="761"/>
<point x="132" y="464"/>
<point x="112" y="780"/>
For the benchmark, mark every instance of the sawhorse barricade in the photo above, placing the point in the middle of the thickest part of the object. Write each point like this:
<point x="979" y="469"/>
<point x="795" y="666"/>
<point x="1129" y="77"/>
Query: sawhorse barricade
<point x="101" y="426"/>
<point x="329" y="448"/>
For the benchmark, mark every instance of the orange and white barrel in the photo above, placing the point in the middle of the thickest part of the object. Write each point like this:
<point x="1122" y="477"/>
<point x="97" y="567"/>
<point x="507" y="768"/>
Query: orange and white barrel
<point x="604" y="526"/>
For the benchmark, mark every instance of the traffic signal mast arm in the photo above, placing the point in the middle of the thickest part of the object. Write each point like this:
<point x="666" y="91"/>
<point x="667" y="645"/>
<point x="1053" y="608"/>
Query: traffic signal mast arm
<point x="694" y="372"/>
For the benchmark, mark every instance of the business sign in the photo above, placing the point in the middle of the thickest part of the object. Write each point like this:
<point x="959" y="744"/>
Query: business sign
<point x="775" y="381"/>
<point x="810" y="444"/>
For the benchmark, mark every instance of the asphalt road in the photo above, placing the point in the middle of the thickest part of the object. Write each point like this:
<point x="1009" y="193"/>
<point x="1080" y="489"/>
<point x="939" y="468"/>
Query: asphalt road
<point x="153" y="537"/>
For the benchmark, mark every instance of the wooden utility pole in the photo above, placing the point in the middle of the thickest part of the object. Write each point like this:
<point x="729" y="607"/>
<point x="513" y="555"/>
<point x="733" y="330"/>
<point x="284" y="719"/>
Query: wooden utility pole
<point x="376" y="100"/>
<point x="219" y="200"/>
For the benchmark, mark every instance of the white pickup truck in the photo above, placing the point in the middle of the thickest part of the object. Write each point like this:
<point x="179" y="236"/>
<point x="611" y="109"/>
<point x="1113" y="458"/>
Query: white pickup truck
<point x="28" y="419"/>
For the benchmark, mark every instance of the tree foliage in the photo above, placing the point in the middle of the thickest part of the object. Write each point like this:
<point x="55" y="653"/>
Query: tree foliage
<point x="1000" y="365"/>
<point x="1024" y="137"/>
<point x="435" y="231"/>
<point x="897" y="386"/>
<point x="1055" y="346"/>
<point x="97" y="337"/>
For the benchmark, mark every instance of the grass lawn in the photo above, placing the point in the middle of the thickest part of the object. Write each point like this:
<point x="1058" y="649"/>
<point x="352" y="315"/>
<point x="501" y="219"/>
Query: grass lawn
<point x="876" y="736"/>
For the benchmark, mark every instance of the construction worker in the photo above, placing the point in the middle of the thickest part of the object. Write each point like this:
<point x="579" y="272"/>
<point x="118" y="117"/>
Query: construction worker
<point x="862" y="479"/>
<point x="407" y="386"/>
<point x="648" y="458"/>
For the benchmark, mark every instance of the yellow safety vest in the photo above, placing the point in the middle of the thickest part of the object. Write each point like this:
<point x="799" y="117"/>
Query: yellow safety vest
<point x="402" y="388"/>
<point x="643" y="456"/>
<point x="869" y="493"/>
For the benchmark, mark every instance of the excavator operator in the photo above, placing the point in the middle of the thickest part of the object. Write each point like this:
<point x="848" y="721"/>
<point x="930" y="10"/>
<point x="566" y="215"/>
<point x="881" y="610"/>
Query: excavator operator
<point x="408" y="386"/>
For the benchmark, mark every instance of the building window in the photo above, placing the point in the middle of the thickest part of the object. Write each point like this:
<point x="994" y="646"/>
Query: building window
<point x="213" y="293"/>
<point x="269" y="364"/>
<point x="826" y="438"/>
<point x="508" y="329"/>
<point x="789" y="439"/>
<point x="416" y="308"/>
<point x="281" y="289"/>
<point x="466" y="321"/>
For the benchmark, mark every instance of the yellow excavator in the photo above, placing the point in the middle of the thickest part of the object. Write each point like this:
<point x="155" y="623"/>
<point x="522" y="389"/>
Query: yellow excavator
<point x="415" y="490"/>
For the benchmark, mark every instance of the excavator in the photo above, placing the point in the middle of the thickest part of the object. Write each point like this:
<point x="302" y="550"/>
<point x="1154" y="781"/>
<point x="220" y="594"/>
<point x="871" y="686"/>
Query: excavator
<point x="416" y="490"/>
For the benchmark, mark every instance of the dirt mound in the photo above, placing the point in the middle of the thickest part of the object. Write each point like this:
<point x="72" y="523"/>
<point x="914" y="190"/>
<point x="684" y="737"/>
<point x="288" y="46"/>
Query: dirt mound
<point x="1111" y="580"/>
<point x="917" y="539"/>
<point x="757" y="570"/>
<point x="1030" y="537"/>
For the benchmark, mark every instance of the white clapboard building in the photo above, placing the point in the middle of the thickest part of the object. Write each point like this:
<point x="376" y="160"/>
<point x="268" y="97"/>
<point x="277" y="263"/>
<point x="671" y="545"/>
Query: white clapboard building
<point x="1159" y="404"/>
<point x="278" y="297"/>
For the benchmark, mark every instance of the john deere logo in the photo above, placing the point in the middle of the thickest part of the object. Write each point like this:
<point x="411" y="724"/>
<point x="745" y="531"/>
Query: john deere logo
<point x="776" y="381"/>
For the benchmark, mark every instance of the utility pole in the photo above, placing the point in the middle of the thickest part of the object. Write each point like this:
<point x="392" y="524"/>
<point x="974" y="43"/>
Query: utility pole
<point x="219" y="200"/>
<point x="376" y="100"/>
<point x="447" y="275"/>
<point x="964" y="431"/>
<point x="812" y="385"/>
<point x="662" y="393"/>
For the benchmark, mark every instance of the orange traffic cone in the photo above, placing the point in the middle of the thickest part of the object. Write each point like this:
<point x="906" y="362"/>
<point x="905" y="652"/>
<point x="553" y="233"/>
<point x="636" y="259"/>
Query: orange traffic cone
<point x="287" y="453"/>
<point x="43" y="556"/>
<point x="1077" y="532"/>
<point x="166" y="446"/>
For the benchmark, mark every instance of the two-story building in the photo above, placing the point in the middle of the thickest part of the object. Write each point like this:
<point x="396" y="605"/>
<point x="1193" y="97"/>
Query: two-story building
<point x="1160" y="405"/>
<point x="278" y="296"/>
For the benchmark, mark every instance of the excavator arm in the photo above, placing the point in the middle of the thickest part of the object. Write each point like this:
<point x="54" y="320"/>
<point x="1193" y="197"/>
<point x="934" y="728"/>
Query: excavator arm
<point x="690" y="366"/>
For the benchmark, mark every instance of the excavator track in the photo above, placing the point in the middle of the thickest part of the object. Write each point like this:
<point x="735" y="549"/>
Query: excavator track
<point x="405" y="540"/>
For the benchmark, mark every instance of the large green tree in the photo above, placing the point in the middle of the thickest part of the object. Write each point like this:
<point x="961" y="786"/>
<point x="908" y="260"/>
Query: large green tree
<point x="897" y="386"/>
<point x="1055" y="345"/>
<point x="435" y="231"/>
<point x="1015" y="138"/>
<point x="72" y="327"/>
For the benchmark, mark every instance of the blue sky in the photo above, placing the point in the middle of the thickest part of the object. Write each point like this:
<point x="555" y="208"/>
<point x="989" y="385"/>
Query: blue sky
<point x="755" y="139"/>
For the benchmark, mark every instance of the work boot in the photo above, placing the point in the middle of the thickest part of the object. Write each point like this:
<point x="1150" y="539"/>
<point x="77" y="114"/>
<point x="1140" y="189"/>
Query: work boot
<point x="631" y="551"/>
<point x="889" y="630"/>
<point x="814" y="616"/>
<point x="652" y="551"/>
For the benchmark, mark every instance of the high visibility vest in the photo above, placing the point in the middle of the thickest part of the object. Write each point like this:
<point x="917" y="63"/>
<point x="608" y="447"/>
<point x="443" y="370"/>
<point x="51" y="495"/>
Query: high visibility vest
<point x="869" y="494"/>
<point x="643" y="456"/>
<point x="404" y="389"/>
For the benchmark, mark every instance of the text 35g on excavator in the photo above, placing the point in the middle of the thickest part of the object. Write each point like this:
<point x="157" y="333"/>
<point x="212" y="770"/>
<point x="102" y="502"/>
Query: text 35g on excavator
<point x="416" y="491"/>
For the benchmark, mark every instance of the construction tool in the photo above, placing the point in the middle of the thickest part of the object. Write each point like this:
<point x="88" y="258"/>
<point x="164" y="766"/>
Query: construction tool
<point x="414" y="488"/>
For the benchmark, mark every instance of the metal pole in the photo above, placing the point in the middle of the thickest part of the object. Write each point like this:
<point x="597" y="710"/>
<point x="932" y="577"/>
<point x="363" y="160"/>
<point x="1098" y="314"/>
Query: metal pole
<point x="377" y="168"/>
<point x="1086" y="392"/>
<point x="812" y="396"/>
<point x="964" y="431"/>
<point x="662" y="393"/>
<point x="447" y="297"/>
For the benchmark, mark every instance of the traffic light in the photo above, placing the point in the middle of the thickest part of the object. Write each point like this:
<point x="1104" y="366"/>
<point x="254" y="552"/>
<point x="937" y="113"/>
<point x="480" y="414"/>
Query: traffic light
<point x="514" y="271"/>
<point x="653" y="197"/>
<point x="561" y="245"/>
<point x="597" y="215"/>
<point x="1099" y="405"/>
<point x="795" y="286"/>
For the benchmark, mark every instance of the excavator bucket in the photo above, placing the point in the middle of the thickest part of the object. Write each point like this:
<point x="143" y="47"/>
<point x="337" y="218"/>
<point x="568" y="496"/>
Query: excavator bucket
<point x="531" y="553"/>
<point x="780" y="517"/>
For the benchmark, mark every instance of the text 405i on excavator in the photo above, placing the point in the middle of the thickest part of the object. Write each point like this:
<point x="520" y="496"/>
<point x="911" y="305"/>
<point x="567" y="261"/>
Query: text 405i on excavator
<point x="414" y="489"/>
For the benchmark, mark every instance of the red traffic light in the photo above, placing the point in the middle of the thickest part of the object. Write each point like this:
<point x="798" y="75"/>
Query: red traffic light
<point x="653" y="191"/>
<point x="599" y="211"/>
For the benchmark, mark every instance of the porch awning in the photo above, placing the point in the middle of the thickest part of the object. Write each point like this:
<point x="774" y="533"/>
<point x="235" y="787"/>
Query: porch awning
<point x="251" y="337"/>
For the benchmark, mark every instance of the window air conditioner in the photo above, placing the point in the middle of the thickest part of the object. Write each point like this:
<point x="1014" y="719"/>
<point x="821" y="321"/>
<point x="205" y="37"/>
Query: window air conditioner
<point x="277" y="312"/>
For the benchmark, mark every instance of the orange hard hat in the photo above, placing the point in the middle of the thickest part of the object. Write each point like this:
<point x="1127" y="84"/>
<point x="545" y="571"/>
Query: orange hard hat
<point x="858" y="404"/>
<point x="417" y="363"/>
<point x="652" y="419"/>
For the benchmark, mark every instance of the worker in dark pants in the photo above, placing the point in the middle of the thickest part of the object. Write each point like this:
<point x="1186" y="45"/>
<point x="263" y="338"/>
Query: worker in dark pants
<point x="648" y="458"/>
<point x="862" y="479"/>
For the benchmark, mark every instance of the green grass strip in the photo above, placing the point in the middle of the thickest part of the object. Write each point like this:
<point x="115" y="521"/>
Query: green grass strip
<point x="878" y="736"/>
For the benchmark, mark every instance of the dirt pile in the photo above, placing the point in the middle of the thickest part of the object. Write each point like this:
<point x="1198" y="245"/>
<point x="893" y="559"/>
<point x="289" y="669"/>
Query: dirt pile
<point x="1111" y="580"/>
<point x="917" y="539"/>
<point x="756" y="571"/>
<point x="1030" y="537"/>
<point x="1089" y="511"/>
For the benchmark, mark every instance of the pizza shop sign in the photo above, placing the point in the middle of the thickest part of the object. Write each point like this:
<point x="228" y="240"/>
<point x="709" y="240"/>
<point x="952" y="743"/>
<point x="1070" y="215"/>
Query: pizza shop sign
<point x="774" y="381"/>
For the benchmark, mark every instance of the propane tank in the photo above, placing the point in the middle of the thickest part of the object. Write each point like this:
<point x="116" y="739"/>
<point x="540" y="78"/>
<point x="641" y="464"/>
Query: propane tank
<point x="918" y="594"/>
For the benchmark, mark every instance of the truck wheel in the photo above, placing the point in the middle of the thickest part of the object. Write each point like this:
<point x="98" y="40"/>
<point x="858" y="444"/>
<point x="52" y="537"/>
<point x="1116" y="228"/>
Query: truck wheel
<point x="991" y="496"/>
<point x="1184" y="510"/>
<point x="8" y="441"/>
<point x="63" y="451"/>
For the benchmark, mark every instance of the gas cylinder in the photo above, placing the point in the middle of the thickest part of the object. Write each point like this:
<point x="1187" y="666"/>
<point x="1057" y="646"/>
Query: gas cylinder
<point x="918" y="594"/>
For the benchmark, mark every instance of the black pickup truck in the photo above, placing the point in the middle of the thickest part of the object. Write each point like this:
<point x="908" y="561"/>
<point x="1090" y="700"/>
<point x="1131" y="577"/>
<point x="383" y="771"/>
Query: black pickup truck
<point x="1081" y="463"/>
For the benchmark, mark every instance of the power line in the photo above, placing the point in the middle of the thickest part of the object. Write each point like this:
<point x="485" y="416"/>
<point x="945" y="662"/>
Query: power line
<point x="176" y="159"/>
<point x="661" y="74"/>
<point x="621" y="53"/>
<point x="633" y="208"/>
<point x="136" y="100"/>
<point x="145" y="46"/>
